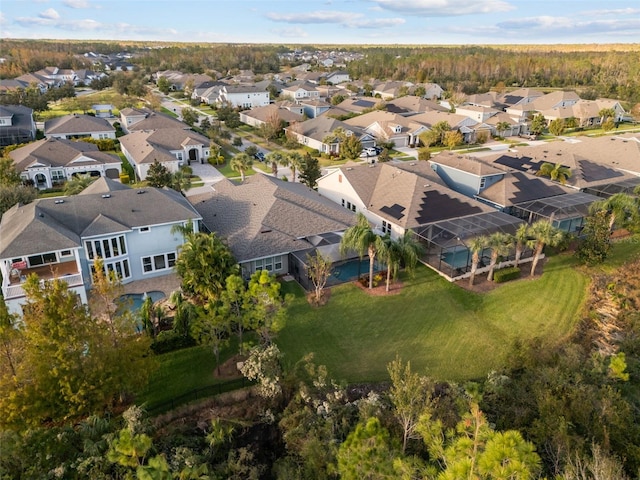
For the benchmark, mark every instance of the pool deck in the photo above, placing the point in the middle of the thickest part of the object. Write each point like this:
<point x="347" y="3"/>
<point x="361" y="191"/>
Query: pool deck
<point x="166" y="284"/>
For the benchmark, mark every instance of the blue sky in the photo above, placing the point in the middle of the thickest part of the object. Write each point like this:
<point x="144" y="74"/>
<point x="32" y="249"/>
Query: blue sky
<point x="326" y="21"/>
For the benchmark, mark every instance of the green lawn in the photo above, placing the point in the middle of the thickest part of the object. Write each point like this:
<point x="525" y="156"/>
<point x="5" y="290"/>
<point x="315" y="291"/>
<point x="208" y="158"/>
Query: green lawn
<point x="444" y="330"/>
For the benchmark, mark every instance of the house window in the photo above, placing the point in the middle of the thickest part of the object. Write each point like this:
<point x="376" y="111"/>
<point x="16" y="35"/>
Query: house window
<point x="57" y="175"/>
<point x="155" y="263"/>
<point x="66" y="253"/>
<point x="121" y="267"/>
<point x="386" y="227"/>
<point x="483" y="182"/>
<point x="343" y="202"/>
<point x="106" y="248"/>
<point x="144" y="229"/>
<point x="270" y="264"/>
<point x="42" y="259"/>
<point x="179" y="156"/>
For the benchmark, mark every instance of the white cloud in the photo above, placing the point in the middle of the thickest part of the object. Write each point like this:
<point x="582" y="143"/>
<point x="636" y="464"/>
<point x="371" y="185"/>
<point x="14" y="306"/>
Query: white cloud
<point x="320" y="16"/>
<point x="76" y="3"/>
<point x="50" y="13"/>
<point x="376" y="23"/>
<point x="444" y="8"/>
<point x="616" y="11"/>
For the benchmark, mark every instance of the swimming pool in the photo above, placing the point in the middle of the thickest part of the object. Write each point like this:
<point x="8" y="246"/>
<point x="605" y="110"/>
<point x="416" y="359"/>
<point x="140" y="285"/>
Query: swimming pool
<point x="349" y="271"/>
<point x="133" y="301"/>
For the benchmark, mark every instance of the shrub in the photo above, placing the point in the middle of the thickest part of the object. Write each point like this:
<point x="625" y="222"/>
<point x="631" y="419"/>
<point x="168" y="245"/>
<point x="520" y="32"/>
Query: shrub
<point x="506" y="274"/>
<point x="170" y="341"/>
<point x="124" y="178"/>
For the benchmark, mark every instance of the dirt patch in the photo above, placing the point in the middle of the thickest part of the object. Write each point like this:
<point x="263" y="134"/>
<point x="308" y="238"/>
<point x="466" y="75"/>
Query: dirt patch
<point x="482" y="285"/>
<point x="326" y="295"/>
<point x="229" y="369"/>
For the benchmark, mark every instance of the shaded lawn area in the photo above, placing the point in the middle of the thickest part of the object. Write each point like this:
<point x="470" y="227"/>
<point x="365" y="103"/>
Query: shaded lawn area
<point x="445" y="331"/>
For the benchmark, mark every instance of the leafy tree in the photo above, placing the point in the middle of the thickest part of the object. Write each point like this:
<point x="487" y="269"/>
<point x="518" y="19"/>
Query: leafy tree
<point x="203" y="264"/>
<point x="158" y="175"/>
<point x="73" y="365"/>
<point x="368" y="452"/>
<point x="452" y="138"/>
<point x="12" y="194"/>
<point x="205" y="123"/>
<point x="543" y="233"/>
<point x="163" y="85"/>
<point x="571" y="122"/>
<point x="310" y="172"/>
<point x="476" y="247"/>
<point x="435" y="135"/>
<point x="608" y="125"/>
<point x="384" y="156"/>
<point x="411" y="395"/>
<point x="557" y="126"/>
<point x="319" y="270"/>
<point x="241" y="163"/>
<point x="363" y="240"/>
<point x="263" y="365"/>
<point x="557" y="172"/>
<point x="351" y="147"/>
<point x="77" y="184"/>
<point x="424" y="153"/>
<point x="606" y="114"/>
<point x="235" y="305"/>
<point x="596" y="239"/>
<point x="251" y="150"/>
<point x="538" y="124"/>
<point x="184" y="316"/>
<point x="10" y="342"/>
<point x="267" y="307"/>
<point x="271" y="128"/>
<point x="500" y="245"/>
<point x="211" y="327"/>
<point x="9" y="175"/>
<point x="190" y="116"/>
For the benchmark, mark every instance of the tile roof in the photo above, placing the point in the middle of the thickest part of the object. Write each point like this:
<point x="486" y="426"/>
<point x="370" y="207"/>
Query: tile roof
<point x="265" y="216"/>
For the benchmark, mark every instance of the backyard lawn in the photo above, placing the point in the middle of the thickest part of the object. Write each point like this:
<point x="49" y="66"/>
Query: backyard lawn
<point x="445" y="331"/>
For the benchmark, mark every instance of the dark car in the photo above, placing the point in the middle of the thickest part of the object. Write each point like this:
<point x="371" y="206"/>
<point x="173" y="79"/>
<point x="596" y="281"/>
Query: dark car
<point x="259" y="156"/>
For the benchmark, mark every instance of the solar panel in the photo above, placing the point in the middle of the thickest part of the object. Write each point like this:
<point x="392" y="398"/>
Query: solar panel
<point x="592" y="172"/>
<point x="394" y="211"/>
<point x="436" y="206"/>
<point x="522" y="164"/>
<point x="364" y="103"/>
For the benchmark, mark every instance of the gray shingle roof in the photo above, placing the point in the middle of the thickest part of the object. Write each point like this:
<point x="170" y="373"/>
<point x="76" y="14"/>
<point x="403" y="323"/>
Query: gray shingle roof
<point x="77" y="124"/>
<point x="48" y="224"/>
<point x="266" y="216"/>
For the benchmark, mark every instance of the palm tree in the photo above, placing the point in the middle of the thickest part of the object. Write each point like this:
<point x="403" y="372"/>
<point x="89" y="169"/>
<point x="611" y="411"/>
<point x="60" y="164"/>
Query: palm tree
<point x="502" y="127"/>
<point x="77" y="184"/>
<point x="521" y="237"/>
<point x="181" y="180"/>
<point x="363" y="240"/>
<point x="185" y="314"/>
<point x="476" y="246"/>
<point x="295" y="162"/>
<point x="405" y="250"/>
<point x="606" y="113"/>
<point x="621" y="208"/>
<point x="275" y="158"/>
<point x="241" y="163"/>
<point x="556" y="172"/>
<point x="500" y="244"/>
<point x="542" y="233"/>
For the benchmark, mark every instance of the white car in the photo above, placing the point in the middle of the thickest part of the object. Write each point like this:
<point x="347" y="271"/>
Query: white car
<point x="368" y="152"/>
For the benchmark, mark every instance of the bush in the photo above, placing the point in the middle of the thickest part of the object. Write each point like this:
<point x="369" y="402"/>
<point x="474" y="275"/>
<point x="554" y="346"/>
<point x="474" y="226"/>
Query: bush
<point x="506" y="274"/>
<point x="124" y="178"/>
<point x="170" y="341"/>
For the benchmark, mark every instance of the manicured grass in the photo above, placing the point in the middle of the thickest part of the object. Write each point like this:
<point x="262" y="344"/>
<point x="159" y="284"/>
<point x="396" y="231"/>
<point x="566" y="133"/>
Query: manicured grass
<point x="228" y="172"/>
<point x="445" y="331"/>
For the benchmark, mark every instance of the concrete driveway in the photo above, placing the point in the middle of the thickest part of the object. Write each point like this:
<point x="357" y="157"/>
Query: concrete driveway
<point x="209" y="176"/>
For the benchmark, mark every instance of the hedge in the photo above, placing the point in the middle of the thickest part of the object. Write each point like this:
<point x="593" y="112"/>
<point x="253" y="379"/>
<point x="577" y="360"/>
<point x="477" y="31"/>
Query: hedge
<point x="506" y="274"/>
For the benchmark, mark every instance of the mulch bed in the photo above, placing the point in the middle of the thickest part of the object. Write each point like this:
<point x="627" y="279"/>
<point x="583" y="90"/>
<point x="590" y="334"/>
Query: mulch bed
<point x="381" y="290"/>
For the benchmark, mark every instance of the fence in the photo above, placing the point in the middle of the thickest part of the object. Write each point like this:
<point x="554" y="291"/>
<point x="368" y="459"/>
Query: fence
<point x="198" y="394"/>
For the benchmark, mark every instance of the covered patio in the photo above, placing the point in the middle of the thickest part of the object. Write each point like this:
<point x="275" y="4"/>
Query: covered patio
<point x="628" y="186"/>
<point x="447" y="242"/>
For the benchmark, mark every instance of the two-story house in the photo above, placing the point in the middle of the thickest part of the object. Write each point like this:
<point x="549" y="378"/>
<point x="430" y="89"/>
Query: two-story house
<point x="60" y="238"/>
<point x="243" y="96"/>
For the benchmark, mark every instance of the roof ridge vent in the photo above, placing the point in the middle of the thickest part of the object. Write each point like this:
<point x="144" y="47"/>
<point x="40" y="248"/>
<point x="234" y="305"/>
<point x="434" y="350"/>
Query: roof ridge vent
<point x="106" y="195"/>
<point x="140" y="192"/>
<point x="59" y="201"/>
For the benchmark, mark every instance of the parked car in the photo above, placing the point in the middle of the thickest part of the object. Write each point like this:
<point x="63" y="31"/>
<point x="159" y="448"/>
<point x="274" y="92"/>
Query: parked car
<point x="369" y="152"/>
<point x="259" y="156"/>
